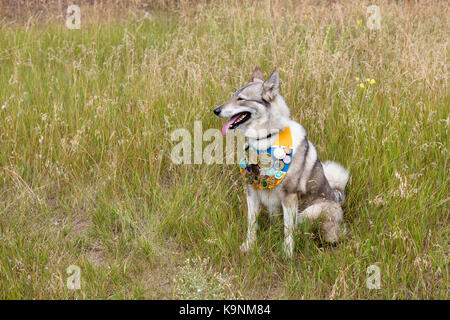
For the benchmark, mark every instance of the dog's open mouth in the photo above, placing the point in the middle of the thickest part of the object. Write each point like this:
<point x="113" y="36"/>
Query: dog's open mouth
<point x="235" y="121"/>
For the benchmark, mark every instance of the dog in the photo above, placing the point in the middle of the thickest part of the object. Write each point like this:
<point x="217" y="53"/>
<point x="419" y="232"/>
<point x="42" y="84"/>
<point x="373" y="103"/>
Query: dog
<point x="281" y="165"/>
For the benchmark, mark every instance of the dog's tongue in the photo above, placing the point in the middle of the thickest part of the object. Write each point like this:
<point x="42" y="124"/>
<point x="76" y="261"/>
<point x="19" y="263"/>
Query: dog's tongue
<point x="227" y="125"/>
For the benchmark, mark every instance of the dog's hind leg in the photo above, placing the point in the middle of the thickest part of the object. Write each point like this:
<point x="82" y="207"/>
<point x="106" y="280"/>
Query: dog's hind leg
<point x="330" y="213"/>
<point x="253" y="204"/>
<point x="290" y="205"/>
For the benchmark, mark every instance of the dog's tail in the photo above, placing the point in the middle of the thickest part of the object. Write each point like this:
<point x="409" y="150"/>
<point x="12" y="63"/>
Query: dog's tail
<point x="337" y="177"/>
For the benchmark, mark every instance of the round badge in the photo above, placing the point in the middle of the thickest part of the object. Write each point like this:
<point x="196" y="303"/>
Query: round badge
<point x="287" y="150"/>
<point x="243" y="164"/>
<point x="250" y="179"/>
<point x="287" y="160"/>
<point x="265" y="160"/>
<point x="256" y="179"/>
<point x="278" y="165"/>
<point x="278" y="174"/>
<point x="272" y="180"/>
<point x="270" y="172"/>
<point x="279" y="153"/>
<point x="264" y="183"/>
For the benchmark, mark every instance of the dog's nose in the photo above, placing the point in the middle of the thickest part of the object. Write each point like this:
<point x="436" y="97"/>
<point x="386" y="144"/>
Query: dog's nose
<point x="217" y="110"/>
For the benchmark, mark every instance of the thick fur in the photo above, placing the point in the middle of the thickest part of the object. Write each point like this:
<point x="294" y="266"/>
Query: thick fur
<point x="336" y="175"/>
<point x="310" y="189"/>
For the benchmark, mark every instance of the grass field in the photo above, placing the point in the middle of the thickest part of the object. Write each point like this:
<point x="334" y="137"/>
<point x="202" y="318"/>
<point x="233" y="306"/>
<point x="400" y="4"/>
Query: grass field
<point x="86" y="177"/>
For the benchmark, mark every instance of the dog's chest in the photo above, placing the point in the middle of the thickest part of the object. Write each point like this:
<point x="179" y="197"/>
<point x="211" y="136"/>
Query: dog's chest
<point x="270" y="198"/>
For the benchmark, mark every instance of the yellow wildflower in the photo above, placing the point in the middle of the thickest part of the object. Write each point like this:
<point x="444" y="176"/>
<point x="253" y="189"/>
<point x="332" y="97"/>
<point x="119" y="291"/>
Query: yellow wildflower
<point x="357" y="79"/>
<point x="361" y="85"/>
<point x="359" y="22"/>
<point x="372" y="81"/>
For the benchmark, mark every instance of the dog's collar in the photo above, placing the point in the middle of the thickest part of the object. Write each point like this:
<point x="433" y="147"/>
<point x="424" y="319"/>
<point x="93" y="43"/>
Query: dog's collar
<point x="266" y="137"/>
<point x="260" y="139"/>
<point x="265" y="169"/>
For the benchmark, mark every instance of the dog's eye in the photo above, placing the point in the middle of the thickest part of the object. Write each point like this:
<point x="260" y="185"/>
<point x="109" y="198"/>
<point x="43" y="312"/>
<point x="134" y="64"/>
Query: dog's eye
<point x="240" y="99"/>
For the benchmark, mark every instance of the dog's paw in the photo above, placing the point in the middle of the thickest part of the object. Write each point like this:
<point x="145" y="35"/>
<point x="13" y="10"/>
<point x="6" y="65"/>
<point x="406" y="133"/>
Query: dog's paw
<point x="246" y="246"/>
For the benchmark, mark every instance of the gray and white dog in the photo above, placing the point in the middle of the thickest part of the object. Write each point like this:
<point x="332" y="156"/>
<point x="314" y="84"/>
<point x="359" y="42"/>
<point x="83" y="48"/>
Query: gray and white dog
<point x="310" y="189"/>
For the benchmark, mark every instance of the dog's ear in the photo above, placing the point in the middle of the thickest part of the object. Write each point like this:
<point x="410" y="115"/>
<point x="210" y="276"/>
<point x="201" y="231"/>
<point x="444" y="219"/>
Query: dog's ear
<point x="270" y="86"/>
<point x="257" y="75"/>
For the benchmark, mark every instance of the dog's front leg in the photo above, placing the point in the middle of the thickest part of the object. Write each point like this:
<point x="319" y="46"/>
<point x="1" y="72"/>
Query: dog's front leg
<point x="290" y="204"/>
<point x="253" y="204"/>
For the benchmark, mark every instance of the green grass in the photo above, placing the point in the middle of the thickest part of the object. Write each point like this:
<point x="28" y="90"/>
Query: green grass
<point x="86" y="177"/>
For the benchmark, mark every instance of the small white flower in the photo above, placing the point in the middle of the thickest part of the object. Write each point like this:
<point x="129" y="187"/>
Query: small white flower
<point x="4" y="106"/>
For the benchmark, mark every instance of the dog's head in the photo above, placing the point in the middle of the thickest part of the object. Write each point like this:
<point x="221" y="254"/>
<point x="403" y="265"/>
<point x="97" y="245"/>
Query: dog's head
<point x="255" y="105"/>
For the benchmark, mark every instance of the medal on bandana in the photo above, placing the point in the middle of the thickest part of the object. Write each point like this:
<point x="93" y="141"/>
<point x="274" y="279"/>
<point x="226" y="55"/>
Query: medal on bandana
<point x="265" y="169"/>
